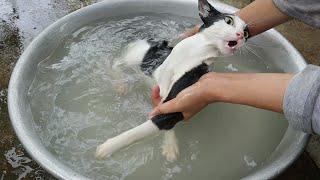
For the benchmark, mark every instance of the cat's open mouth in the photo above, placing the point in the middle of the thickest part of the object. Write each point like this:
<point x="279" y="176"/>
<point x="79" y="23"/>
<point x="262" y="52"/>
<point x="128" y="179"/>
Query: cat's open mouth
<point x="232" y="43"/>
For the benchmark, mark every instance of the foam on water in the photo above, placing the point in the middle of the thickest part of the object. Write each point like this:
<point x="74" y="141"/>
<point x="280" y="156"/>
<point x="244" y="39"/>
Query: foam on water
<point x="78" y="100"/>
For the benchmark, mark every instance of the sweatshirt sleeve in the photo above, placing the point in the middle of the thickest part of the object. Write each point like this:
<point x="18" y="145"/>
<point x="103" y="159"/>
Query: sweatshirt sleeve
<point x="307" y="11"/>
<point x="301" y="104"/>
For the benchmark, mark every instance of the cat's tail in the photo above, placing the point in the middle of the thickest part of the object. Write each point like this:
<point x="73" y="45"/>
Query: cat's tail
<point x="136" y="52"/>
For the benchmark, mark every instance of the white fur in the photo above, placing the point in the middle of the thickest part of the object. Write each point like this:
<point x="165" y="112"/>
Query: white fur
<point x="170" y="148"/>
<point x="189" y="53"/>
<point x="136" y="51"/>
<point x="193" y="51"/>
<point x="126" y="138"/>
<point x="220" y="33"/>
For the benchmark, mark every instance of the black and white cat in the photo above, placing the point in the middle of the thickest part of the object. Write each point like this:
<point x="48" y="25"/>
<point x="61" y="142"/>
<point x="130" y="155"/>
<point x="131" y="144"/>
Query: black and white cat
<point x="174" y="69"/>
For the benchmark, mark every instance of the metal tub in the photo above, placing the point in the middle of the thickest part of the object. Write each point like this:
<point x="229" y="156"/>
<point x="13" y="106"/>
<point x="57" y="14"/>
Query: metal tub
<point x="287" y="151"/>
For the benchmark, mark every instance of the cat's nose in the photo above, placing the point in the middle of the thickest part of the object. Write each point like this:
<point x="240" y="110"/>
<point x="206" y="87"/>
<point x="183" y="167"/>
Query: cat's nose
<point x="239" y="35"/>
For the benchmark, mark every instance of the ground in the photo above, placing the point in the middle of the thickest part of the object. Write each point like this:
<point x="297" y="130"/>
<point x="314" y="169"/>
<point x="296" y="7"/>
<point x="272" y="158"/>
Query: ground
<point x="22" y="20"/>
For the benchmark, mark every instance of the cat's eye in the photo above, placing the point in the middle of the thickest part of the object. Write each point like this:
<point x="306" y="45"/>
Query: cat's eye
<point x="228" y="20"/>
<point x="245" y="34"/>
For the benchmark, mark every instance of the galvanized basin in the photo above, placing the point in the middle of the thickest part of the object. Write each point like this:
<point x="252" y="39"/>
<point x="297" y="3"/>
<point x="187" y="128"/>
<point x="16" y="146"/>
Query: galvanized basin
<point x="287" y="151"/>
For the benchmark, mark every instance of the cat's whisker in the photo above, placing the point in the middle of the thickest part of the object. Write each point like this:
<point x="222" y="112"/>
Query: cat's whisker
<point x="260" y="59"/>
<point x="260" y="46"/>
<point x="221" y="60"/>
<point x="242" y="49"/>
<point x="253" y="52"/>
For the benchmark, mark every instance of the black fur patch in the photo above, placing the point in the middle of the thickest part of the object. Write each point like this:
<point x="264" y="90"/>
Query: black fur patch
<point x="210" y="21"/>
<point x="247" y="29"/>
<point x="168" y="121"/>
<point x="208" y="13"/>
<point x="155" y="56"/>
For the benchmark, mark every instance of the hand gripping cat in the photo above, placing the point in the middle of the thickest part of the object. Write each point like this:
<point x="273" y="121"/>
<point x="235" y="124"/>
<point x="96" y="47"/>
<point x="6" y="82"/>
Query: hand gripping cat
<point x="174" y="69"/>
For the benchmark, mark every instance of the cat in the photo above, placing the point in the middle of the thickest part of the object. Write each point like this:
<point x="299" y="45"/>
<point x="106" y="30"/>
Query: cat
<point x="176" y="68"/>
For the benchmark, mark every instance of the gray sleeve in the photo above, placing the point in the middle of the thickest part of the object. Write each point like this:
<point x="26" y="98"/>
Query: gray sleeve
<point x="301" y="104"/>
<point x="307" y="11"/>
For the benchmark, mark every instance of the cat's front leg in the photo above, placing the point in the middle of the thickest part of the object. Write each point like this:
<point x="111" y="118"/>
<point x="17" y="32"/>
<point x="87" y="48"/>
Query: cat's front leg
<point x="170" y="148"/>
<point x="163" y="77"/>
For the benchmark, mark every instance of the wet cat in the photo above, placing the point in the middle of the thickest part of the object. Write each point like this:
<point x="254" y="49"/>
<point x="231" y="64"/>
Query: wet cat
<point x="174" y="69"/>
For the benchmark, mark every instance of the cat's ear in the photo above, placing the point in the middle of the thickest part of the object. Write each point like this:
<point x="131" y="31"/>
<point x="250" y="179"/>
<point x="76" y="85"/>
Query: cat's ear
<point x="207" y="12"/>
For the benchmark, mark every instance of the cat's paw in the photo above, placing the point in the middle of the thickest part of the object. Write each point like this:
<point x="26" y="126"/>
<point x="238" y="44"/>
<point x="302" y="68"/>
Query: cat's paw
<point x="103" y="151"/>
<point x="170" y="147"/>
<point x="171" y="152"/>
<point x="100" y="152"/>
<point x="122" y="88"/>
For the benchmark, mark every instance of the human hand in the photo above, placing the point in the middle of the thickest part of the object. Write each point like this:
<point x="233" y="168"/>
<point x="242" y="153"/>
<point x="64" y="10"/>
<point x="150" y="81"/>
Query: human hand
<point x="190" y="32"/>
<point x="184" y="35"/>
<point x="189" y="101"/>
<point x="155" y="96"/>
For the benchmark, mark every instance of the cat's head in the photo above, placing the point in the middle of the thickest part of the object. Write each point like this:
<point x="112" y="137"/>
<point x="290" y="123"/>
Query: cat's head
<point x="227" y="31"/>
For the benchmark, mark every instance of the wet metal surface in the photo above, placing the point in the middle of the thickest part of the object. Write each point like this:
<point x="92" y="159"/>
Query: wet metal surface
<point x="22" y="20"/>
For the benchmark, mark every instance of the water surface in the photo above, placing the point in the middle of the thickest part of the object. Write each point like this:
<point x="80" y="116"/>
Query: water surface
<point x="78" y="100"/>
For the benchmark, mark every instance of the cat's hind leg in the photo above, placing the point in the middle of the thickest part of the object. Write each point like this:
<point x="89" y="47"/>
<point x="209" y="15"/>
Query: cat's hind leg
<point x="118" y="82"/>
<point x="170" y="148"/>
<point x="133" y="56"/>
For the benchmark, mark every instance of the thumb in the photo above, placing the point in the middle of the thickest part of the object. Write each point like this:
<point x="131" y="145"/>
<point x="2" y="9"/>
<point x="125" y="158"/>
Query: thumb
<point x="155" y="96"/>
<point x="164" y="108"/>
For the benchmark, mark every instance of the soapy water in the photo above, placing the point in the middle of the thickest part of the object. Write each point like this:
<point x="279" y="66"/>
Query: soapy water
<point x="78" y="100"/>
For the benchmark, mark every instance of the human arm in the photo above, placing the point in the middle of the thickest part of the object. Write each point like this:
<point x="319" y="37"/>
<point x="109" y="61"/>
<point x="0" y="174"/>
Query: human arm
<point x="262" y="90"/>
<point x="260" y="16"/>
<point x="297" y="96"/>
<point x="299" y="101"/>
